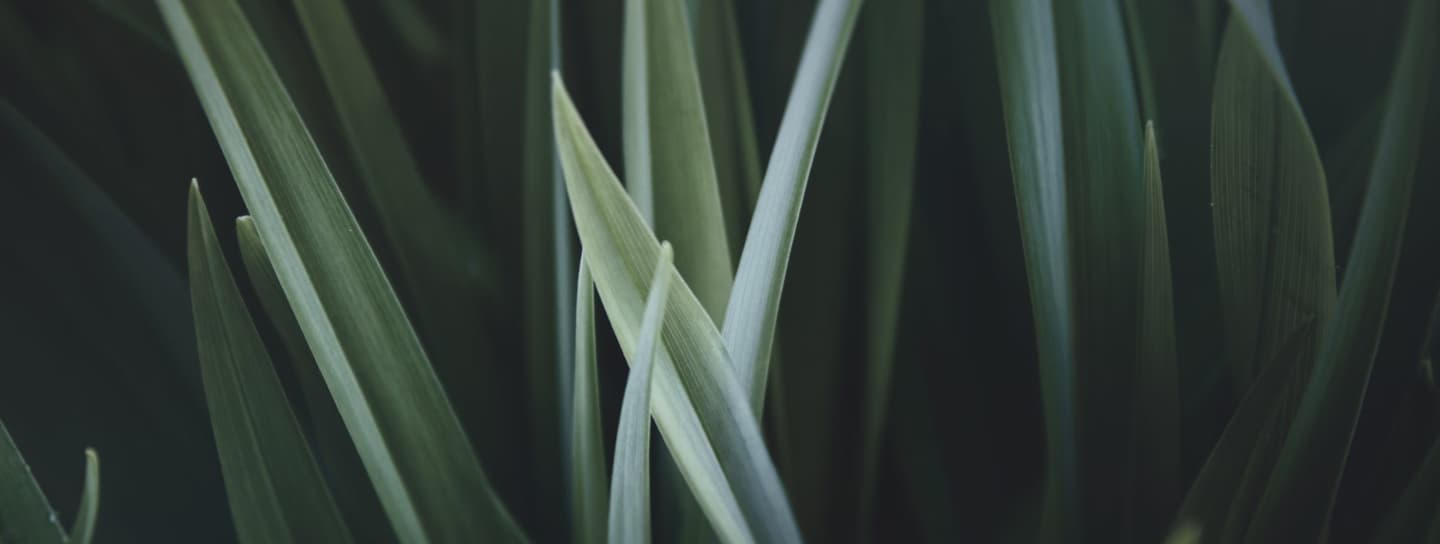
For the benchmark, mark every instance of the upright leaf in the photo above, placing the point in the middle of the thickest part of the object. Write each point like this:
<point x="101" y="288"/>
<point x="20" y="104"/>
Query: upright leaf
<point x="1029" y="86"/>
<point x="728" y="113"/>
<point x="1301" y="492"/>
<point x="701" y="407"/>
<point x="427" y="477"/>
<point x="25" y="515"/>
<point x="892" y="36"/>
<point x="630" y="480"/>
<point x="588" y="494"/>
<point x="755" y="300"/>
<point x="83" y="531"/>
<point x="277" y="493"/>
<point x="667" y="158"/>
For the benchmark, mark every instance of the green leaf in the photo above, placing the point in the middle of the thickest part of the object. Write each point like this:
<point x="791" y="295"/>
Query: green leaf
<point x="1156" y="474"/>
<point x="1416" y="509"/>
<point x="755" y="300"/>
<point x="1273" y="245"/>
<point x="83" y="531"/>
<point x="25" y="515"/>
<point x="892" y="38"/>
<point x="702" y="409"/>
<point x="416" y="31"/>
<point x="333" y="447"/>
<point x="726" y="88"/>
<point x="1030" y="92"/>
<point x="630" y="480"/>
<point x="277" y="493"/>
<point x="668" y="162"/>
<point x="588" y="494"/>
<point x="405" y="430"/>
<point x="1301" y="492"/>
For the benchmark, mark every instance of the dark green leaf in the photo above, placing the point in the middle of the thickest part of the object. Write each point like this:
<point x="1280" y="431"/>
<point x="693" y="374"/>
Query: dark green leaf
<point x="588" y="494"/>
<point x="25" y="515"/>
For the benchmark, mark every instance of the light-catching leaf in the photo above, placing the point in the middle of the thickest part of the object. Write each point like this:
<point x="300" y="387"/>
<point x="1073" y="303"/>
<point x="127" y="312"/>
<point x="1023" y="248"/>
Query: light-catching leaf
<point x="1030" y="93"/>
<point x="668" y="162"/>
<point x="417" y="455"/>
<point x="1301" y="491"/>
<point x="25" y="515"/>
<point x="276" y="491"/>
<point x="588" y="494"/>
<point x="755" y="299"/>
<point x="701" y="407"/>
<point x="83" y="531"/>
<point x="630" y="480"/>
<point x="892" y="38"/>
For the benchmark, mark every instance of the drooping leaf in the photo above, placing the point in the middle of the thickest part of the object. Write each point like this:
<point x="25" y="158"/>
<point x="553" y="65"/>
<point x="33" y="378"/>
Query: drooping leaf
<point x="83" y="531"/>
<point x="701" y="407"/>
<point x="277" y="493"/>
<point x="1273" y="245"/>
<point x="417" y="455"/>
<point x="1301" y="492"/>
<point x="755" y="299"/>
<point x="1156" y="476"/>
<point x="588" y="492"/>
<point x="25" y="514"/>
<point x="630" y="480"/>
<point x="668" y="161"/>
<point x="1029" y="86"/>
<point x="892" y="36"/>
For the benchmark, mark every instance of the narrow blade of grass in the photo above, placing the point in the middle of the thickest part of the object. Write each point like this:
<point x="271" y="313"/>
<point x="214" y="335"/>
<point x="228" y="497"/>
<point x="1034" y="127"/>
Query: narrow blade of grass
<point x="83" y="531"/>
<point x="25" y="515"/>
<point x="1301" y="492"/>
<point x="1156" y="475"/>
<point x="276" y="491"/>
<point x="588" y="493"/>
<point x="726" y="88"/>
<point x="892" y="37"/>
<point x="701" y="407"/>
<point x="755" y="300"/>
<point x="1029" y="87"/>
<point x="405" y="430"/>
<point x="669" y="154"/>
<point x="630" y="479"/>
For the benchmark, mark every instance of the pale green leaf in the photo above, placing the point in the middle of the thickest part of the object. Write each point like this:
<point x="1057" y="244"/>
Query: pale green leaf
<point x="276" y="490"/>
<point x="588" y="494"/>
<point x="418" y="458"/>
<point x="83" y="531"/>
<point x="755" y="299"/>
<point x="630" y="479"/>
<point x="701" y="407"/>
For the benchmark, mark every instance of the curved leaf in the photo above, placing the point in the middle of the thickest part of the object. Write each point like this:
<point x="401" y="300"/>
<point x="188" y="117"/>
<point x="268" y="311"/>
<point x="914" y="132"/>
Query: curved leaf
<point x="84" y="529"/>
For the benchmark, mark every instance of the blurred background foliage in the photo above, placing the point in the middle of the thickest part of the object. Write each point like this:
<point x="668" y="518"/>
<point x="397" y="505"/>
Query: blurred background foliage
<point x="100" y="133"/>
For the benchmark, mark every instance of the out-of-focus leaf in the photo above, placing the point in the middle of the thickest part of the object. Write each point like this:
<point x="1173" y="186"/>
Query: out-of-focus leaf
<point x="416" y="31"/>
<point x="333" y="448"/>
<point x="276" y="491"/>
<point x="755" y="300"/>
<point x="728" y="113"/>
<point x="630" y="480"/>
<point x="84" y="528"/>
<point x="1273" y="243"/>
<point x="25" y="515"/>
<point x="703" y="411"/>
<point x="668" y="161"/>
<point x="1025" y="52"/>
<point x="1301" y="491"/>
<point x="1411" y="516"/>
<point x="892" y="37"/>
<point x="417" y="455"/>
<point x="1156" y="475"/>
<point x="588" y="494"/>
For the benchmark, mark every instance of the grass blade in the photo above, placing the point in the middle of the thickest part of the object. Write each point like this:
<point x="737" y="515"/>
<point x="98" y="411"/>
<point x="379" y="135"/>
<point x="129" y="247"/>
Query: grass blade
<point x="588" y="494"/>
<point x="414" y="449"/>
<point x="755" y="300"/>
<point x="1029" y="85"/>
<point x="276" y="491"/>
<point x="1301" y="493"/>
<point x="668" y="159"/>
<point x="728" y="113"/>
<point x="83" y="531"/>
<point x="892" y="37"/>
<point x="1273" y="245"/>
<point x="25" y="515"/>
<point x="1156" y="475"/>
<point x="630" y="480"/>
<point x="700" y="406"/>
